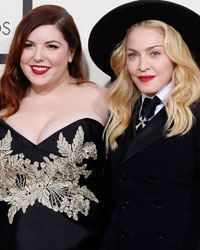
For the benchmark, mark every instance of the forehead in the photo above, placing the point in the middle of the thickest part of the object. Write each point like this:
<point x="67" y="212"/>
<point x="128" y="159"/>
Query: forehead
<point x="145" y="37"/>
<point x="46" y="32"/>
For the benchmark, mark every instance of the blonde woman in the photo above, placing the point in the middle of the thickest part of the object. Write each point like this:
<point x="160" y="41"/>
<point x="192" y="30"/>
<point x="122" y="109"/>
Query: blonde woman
<point x="153" y="134"/>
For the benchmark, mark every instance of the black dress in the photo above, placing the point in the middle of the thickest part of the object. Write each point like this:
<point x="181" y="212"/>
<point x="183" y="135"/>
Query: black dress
<point x="51" y="193"/>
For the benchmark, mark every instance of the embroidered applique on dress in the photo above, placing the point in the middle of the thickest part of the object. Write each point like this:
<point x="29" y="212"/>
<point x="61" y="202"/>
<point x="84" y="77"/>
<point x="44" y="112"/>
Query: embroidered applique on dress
<point x="54" y="182"/>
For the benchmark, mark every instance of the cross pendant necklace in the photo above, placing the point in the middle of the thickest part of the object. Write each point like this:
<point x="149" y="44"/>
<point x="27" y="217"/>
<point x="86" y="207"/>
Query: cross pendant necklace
<point x="142" y="122"/>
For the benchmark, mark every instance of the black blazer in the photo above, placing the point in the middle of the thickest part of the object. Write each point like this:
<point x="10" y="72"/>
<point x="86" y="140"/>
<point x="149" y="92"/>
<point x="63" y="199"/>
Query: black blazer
<point x="154" y="183"/>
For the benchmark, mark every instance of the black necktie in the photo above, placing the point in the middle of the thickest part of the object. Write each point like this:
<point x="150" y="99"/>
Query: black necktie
<point x="148" y="109"/>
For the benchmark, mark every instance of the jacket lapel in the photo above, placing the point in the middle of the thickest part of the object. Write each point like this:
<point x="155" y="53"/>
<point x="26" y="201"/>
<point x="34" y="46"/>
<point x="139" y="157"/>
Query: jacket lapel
<point x="125" y="139"/>
<point x="149" y="135"/>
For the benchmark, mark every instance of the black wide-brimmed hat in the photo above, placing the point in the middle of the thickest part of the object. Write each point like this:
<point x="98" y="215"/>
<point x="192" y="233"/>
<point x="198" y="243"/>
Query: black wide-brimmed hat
<point x="111" y="28"/>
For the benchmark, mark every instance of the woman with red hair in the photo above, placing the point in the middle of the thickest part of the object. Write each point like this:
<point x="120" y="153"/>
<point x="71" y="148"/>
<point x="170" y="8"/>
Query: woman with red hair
<point x="52" y="153"/>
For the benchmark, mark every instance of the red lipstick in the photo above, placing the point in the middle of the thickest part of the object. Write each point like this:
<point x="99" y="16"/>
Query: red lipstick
<point x="146" y="78"/>
<point x="39" y="70"/>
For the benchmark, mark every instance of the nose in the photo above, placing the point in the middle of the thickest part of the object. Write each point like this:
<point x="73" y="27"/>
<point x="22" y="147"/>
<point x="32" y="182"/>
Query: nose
<point x="143" y="64"/>
<point x="39" y="55"/>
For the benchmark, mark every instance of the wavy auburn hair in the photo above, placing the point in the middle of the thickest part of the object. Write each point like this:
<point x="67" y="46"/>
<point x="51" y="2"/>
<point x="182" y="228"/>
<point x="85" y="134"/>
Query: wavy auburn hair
<point x="13" y="83"/>
<point x="122" y="94"/>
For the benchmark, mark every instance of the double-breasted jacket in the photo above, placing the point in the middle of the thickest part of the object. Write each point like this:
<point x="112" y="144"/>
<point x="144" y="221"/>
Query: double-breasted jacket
<point x="154" y="185"/>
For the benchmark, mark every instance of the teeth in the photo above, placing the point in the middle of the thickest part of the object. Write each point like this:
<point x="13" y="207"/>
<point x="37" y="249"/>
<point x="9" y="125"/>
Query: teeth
<point x="40" y="68"/>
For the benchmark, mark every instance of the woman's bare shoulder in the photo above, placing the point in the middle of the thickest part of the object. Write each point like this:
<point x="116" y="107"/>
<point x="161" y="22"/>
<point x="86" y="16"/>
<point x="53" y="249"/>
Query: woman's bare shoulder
<point x="94" y="95"/>
<point x="91" y="86"/>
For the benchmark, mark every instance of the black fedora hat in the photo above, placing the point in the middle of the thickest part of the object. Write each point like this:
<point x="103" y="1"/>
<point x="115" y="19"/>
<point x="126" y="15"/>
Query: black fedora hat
<point x="111" y="28"/>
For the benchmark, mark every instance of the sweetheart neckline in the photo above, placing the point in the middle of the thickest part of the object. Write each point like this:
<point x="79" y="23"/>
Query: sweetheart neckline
<point x="57" y="131"/>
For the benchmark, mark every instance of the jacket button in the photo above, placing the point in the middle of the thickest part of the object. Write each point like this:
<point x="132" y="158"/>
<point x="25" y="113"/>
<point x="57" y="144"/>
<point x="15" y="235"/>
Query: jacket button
<point x="125" y="205"/>
<point x="153" y="178"/>
<point x="123" y="177"/>
<point x="124" y="232"/>
<point x="160" y="204"/>
<point x="160" y="234"/>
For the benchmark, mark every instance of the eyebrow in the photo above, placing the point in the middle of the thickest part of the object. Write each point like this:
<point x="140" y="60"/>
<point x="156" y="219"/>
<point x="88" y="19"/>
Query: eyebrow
<point x="149" y="48"/>
<point x="51" y="41"/>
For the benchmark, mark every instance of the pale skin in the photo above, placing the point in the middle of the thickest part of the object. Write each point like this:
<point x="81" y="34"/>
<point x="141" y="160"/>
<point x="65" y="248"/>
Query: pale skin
<point x="149" y="67"/>
<point x="53" y="101"/>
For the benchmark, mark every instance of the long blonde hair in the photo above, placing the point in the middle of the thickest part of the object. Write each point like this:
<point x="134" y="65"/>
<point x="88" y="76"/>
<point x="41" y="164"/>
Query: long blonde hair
<point x="123" y="94"/>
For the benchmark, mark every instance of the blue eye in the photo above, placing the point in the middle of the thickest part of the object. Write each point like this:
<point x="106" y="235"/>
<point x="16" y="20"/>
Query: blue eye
<point x="155" y="53"/>
<point x="132" y="55"/>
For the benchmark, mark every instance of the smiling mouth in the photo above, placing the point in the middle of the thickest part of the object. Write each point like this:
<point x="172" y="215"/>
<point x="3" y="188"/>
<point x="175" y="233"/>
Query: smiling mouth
<point x="146" y="78"/>
<point x="39" y="70"/>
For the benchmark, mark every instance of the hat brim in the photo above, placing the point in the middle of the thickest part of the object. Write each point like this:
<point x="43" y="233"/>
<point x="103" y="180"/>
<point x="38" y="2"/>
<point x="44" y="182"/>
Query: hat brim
<point x="111" y="28"/>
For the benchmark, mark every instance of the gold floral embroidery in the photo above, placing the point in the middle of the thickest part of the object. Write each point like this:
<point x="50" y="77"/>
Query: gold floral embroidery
<point x="54" y="182"/>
